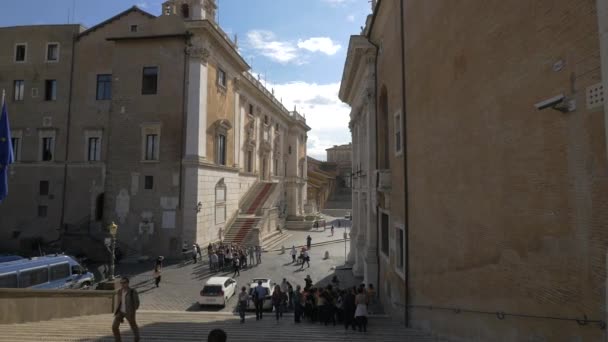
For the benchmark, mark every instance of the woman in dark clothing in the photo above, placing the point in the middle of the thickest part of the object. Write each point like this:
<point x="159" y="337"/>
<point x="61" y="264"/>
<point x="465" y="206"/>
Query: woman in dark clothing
<point x="349" y="309"/>
<point x="277" y="301"/>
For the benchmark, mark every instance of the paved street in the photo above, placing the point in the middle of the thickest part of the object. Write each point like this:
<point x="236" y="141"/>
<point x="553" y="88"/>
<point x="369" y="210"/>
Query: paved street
<point x="181" y="284"/>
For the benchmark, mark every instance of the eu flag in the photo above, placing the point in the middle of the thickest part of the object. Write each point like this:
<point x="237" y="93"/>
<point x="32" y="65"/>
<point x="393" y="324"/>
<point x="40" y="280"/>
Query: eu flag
<point x="6" y="151"/>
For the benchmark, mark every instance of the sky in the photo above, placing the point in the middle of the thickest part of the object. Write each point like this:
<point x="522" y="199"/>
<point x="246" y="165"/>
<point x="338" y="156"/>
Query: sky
<point x="298" y="46"/>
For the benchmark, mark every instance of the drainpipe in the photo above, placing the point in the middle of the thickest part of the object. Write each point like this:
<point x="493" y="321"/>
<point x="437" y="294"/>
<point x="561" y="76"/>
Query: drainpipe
<point x="405" y="164"/>
<point x="67" y="138"/>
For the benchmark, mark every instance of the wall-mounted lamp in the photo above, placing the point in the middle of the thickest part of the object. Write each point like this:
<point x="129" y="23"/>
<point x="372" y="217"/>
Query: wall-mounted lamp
<point x="199" y="207"/>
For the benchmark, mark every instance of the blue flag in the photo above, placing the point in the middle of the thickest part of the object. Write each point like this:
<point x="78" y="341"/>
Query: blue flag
<point x="6" y="151"/>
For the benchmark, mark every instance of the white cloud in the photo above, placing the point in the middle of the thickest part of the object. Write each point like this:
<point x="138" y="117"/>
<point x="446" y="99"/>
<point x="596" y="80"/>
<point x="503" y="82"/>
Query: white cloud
<point x="321" y="44"/>
<point x="142" y="5"/>
<point x="327" y="116"/>
<point x="351" y="18"/>
<point x="266" y="43"/>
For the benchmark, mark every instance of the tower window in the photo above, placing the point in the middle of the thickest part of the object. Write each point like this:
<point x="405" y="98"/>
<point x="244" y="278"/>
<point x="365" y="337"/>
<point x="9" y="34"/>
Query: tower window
<point x="133" y="28"/>
<point x="185" y="11"/>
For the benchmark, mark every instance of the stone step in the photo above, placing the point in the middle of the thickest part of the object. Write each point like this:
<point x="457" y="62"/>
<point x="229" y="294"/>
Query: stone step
<point x="275" y="241"/>
<point x="183" y="326"/>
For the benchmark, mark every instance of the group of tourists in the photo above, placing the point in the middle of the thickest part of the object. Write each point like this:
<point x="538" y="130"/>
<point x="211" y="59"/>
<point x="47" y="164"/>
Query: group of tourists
<point x="233" y="256"/>
<point x="326" y="305"/>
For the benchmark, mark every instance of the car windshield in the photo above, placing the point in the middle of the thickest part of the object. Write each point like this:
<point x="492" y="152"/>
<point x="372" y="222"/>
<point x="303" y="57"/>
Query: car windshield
<point x="211" y="290"/>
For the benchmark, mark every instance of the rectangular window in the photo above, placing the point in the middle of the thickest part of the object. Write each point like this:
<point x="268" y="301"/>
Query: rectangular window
<point x="249" y="161"/>
<point x="149" y="182"/>
<point x="401" y="248"/>
<point x="398" y="140"/>
<point x="133" y="28"/>
<point x="8" y="281"/>
<point x="20" y="53"/>
<point x="59" y="272"/>
<point x="50" y="90"/>
<point x="265" y="119"/>
<point x="44" y="188"/>
<point x="94" y="150"/>
<point x="149" y="81"/>
<point x="52" y="52"/>
<point x="221" y="77"/>
<point x="33" y="277"/>
<point x="285" y="169"/>
<point x="18" y="90"/>
<point x="15" y="142"/>
<point x="47" y="149"/>
<point x="250" y="109"/>
<point x="42" y="210"/>
<point x="151" y="147"/>
<point x="104" y="87"/>
<point x="384" y="233"/>
<point x="221" y="149"/>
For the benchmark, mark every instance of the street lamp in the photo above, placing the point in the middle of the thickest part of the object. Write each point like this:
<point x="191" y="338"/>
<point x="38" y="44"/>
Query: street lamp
<point x="113" y="228"/>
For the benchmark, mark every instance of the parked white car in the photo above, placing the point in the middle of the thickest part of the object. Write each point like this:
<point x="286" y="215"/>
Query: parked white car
<point x="217" y="291"/>
<point x="268" y="285"/>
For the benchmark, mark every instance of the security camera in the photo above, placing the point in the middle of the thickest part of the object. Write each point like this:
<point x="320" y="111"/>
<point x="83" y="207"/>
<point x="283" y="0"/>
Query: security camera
<point x="550" y="103"/>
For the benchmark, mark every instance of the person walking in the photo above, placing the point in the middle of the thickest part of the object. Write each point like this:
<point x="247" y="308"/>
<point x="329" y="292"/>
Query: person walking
<point x="251" y="257"/>
<point x="308" y="282"/>
<point x="361" y="310"/>
<point x="297" y="304"/>
<point x="243" y="298"/>
<point x="293" y="253"/>
<point x="198" y="251"/>
<point x="221" y="259"/>
<point x="213" y="263"/>
<point x="194" y="253"/>
<point x="349" y="306"/>
<point x="128" y="303"/>
<point x="308" y="242"/>
<point x="277" y="302"/>
<point x="156" y="275"/>
<point x="332" y="230"/>
<point x="306" y="258"/>
<point x="237" y="266"/>
<point x="258" y="254"/>
<point x="259" y="295"/>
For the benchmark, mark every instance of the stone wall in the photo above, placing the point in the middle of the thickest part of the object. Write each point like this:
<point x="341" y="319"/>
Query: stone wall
<point x="26" y="305"/>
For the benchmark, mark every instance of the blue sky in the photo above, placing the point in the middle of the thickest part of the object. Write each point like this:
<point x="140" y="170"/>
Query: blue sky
<point x="299" y="46"/>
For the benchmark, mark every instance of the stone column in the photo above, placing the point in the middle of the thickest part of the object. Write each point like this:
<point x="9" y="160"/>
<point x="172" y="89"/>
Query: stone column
<point x="237" y="124"/>
<point x="371" y="252"/>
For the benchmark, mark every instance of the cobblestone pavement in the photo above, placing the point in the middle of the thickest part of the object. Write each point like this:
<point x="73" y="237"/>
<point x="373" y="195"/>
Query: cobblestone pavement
<point x="181" y="284"/>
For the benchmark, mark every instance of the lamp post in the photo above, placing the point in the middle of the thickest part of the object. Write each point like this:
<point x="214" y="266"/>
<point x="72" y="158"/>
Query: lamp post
<point x="113" y="228"/>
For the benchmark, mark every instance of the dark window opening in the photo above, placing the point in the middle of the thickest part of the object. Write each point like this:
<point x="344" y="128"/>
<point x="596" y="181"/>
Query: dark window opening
<point x="249" y="161"/>
<point x="20" y="53"/>
<point x="47" y="149"/>
<point x="44" y="188"/>
<point x="50" y="90"/>
<point x="133" y="28"/>
<point x="221" y="149"/>
<point x="221" y="77"/>
<point x="149" y="182"/>
<point x="149" y="81"/>
<point x="385" y="240"/>
<point x="15" y="143"/>
<point x="94" y="153"/>
<point x="250" y="109"/>
<point x="99" y="208"/>
<point x="185" y="11"/>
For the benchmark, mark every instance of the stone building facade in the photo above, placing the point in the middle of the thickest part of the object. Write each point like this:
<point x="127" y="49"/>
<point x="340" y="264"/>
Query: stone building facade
<point x="485" y="133"/>
<point x="157" y="125"/>
<point x="341" y="156"/>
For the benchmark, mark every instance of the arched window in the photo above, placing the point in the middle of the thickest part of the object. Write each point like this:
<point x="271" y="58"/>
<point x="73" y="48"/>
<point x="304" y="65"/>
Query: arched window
<point x="383" y="133"/>
<point x="220" y="201"/>
<point x="185" y="11"/>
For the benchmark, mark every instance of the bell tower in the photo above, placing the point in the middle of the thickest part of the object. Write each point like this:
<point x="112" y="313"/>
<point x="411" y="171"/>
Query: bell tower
<point x="191" y="9"/>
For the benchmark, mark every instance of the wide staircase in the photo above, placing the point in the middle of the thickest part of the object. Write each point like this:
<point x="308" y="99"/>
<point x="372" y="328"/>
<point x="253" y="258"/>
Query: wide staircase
<point x="251" y="216"/>
<point x="169" y="326"/>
